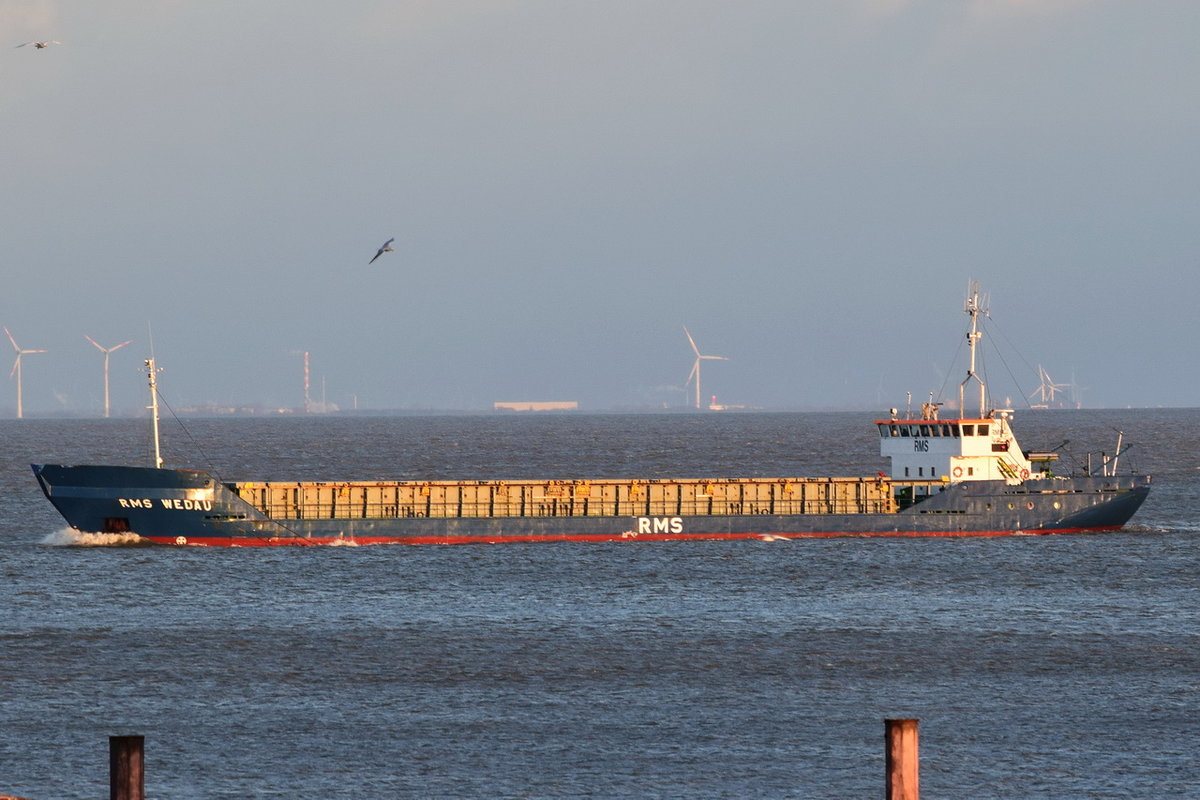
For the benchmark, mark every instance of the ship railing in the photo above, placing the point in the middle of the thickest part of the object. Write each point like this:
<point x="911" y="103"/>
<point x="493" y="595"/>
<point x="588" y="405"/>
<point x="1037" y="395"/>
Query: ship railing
<point x="685" y="509"/>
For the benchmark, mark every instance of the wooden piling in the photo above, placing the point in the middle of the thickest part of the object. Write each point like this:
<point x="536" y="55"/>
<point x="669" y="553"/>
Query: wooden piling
<point x="903" y="770"/>
<point x="126" y="759"/>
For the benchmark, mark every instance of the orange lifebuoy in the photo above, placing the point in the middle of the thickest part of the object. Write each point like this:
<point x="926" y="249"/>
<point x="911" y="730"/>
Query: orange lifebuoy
<point x="958" y="472"/>
<point x="1024" y="474"/>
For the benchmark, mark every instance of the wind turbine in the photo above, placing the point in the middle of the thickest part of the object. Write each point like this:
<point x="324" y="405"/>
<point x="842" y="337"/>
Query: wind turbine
<point x="695" y="373"/>
<point x="106" y="351"/>
<point x="16" y="370"/>
<point x="1076" y="392"/>
<point x="1048" y="390"/>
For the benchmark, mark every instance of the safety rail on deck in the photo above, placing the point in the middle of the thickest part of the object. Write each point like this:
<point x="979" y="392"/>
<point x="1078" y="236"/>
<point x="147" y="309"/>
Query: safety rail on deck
<point x="598" y="498"/>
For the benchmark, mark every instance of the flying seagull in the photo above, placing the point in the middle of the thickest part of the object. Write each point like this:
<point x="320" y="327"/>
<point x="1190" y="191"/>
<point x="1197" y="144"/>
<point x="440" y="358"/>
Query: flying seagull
<point x="387" y="248"/>
<point x="41" y="45"/>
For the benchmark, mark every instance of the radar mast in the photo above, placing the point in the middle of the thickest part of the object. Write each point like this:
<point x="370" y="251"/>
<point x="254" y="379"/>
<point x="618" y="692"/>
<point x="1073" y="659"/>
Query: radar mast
<point x="152" y="373"/>
<point x="973" y="310"/>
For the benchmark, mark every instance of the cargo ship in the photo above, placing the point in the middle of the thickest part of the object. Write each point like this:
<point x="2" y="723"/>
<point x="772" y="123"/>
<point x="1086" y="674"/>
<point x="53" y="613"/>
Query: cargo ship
<point x="965" y="476"/>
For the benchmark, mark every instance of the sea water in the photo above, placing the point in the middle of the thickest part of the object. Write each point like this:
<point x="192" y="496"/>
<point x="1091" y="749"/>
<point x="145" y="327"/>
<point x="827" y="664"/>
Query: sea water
<point x="1039" y="666"/>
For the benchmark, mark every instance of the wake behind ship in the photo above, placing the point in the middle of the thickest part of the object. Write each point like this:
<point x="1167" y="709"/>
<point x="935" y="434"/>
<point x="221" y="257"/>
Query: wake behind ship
<point x="965" y="476"/>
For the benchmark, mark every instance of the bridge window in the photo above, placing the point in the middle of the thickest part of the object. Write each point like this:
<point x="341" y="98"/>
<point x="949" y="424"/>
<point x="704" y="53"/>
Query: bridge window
<point x="904" y="431"/>
<point x="983" y="430"/>
<point x="883" y="430"/>
<point x="925" y="431"/>
<point x="968" y="430"/>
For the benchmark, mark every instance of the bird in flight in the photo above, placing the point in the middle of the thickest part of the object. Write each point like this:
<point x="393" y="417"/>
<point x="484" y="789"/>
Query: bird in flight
<point x="387" y="248"/>
<point x="41" y="45"/>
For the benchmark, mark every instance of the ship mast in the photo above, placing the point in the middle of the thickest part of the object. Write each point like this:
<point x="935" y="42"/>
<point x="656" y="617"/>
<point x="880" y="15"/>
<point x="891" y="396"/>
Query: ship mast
<point x="152" y="373"/>
<point x="973" y="336"/>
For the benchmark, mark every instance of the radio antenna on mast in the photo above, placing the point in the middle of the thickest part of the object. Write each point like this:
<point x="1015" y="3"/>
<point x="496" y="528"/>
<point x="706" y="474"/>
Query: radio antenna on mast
<point x="152" y="373"/>
<point x="974" y="309"/>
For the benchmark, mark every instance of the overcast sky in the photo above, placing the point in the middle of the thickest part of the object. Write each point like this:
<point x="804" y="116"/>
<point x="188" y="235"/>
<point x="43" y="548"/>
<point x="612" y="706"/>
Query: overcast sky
<point x="807" y="186"/>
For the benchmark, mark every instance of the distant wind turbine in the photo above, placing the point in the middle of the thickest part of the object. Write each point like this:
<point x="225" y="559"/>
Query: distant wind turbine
<point x="1048" y="391"/>
<point x="387" y="248"/>
<point x="1076" y="392"/>
<point x="16" y="370"/>
<point x="106" y="351"/>
<point x="695" y="373"/>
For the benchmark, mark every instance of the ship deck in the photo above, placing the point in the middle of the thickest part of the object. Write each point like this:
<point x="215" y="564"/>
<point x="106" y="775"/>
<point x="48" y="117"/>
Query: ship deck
<point x="578" y="498"/>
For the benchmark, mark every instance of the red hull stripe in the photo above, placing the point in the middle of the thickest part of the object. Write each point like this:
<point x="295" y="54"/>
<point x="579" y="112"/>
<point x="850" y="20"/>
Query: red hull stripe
<point x="250" y="541"/>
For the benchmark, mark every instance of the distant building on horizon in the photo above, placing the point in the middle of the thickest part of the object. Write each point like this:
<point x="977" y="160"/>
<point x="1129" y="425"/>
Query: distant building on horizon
<point x="537" y="405"/>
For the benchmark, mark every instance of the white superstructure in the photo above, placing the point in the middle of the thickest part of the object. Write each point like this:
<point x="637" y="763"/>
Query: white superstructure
<point x="978" y="448"/>
<point x="953" y="450"/>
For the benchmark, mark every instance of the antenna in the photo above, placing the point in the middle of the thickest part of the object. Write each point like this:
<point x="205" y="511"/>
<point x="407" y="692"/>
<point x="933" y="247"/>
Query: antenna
<point x="695" y="373"/>
<point x="973" y="310"/>
<point x="16" y="370"/>
<point x="152" y="373"/>
<point x="107" y="351"/>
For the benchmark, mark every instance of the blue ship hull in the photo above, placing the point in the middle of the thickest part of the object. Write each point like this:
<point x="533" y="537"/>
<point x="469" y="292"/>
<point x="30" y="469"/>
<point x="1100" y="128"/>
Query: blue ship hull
<point x="186" y="507"/>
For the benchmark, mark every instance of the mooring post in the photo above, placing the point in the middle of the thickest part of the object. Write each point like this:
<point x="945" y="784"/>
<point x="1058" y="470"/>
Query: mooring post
<point x="126" y="758"/>
<point x="903" y="770"/>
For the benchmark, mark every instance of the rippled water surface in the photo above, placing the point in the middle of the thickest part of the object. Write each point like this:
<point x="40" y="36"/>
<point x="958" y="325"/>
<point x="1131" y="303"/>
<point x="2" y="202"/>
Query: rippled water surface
<point x="1039" y="666"/>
